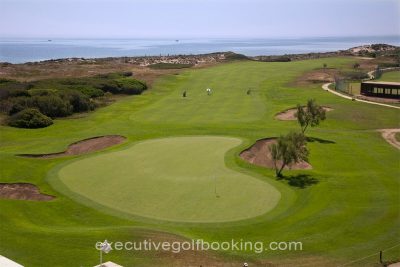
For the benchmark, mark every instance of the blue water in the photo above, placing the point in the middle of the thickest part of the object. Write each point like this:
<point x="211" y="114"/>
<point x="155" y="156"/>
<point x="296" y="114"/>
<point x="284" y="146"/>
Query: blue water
<point x="27" y="50"/>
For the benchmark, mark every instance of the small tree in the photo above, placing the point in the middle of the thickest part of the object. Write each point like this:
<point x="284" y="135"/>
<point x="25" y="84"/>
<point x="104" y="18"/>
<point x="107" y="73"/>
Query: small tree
<point x="291" y="148"/>
<point x="311" y="115"/>
<point x="324" y="65"/>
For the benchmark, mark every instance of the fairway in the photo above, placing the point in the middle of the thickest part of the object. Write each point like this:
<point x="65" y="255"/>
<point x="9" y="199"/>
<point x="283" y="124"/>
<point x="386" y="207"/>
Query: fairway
<point x="176" y="179"/>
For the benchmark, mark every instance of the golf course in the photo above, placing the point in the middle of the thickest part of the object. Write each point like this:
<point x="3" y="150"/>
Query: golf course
<point x="178" y="174"/>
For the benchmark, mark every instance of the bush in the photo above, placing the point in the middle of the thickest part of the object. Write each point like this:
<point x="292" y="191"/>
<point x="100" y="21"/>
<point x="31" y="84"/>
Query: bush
<point x="131" y="86"/>
<point x="19" y="104"/>
<point x="78" y="100"/>
<point x="29" y="118"/>
<point x="127" y="86"/>
<point x="42" y="92"/>
<point x="90" y="91"/>
<point x="166" y="66"/>
<point x="127" y="73"/>
<point x="53" y="106"/>
<point x="109" y="86"/>
<point x="355" y="75"/>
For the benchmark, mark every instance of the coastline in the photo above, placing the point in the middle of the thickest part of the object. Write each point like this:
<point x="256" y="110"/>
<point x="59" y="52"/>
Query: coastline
<point x="364" y="51"/>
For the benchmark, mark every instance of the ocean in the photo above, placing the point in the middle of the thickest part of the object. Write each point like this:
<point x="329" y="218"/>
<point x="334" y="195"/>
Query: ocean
<point x="21" y="50"/>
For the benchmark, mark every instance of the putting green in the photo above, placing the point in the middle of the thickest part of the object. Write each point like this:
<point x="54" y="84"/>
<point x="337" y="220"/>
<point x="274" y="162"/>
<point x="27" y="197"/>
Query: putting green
<point x="176" y="179"/>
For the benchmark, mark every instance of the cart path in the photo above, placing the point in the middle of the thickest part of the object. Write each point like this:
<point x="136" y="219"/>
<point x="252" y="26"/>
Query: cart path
<point x="389" y="136"/>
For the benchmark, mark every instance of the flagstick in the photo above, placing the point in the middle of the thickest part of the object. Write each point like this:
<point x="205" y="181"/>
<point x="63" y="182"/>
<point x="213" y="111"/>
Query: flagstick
<point x="215" y="186"/>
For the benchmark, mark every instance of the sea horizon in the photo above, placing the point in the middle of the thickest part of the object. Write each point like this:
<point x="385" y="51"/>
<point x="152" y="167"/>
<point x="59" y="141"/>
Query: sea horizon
<point x="21" y="50"/>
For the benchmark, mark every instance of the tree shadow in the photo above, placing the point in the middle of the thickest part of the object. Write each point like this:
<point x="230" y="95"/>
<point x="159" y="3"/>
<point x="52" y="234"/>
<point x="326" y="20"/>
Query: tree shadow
<point x="319" y="140"/>
<point x="300" y="180"/>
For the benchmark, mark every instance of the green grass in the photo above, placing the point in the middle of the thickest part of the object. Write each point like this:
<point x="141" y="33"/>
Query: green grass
<point x="397" y="136"/>
<point x="176" y="179"/>
<point x="391" y="76"/>
<point x="352" y="212"/>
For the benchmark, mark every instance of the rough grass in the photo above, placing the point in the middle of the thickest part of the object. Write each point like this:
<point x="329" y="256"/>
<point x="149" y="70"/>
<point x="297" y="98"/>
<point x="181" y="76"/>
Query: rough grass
<point x="391" y="76"/>
<point x="352" y="212"/>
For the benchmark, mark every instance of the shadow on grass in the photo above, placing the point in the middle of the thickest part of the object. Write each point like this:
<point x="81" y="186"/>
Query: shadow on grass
<point x="300" y="180"/>
<point x="319" y="140"/>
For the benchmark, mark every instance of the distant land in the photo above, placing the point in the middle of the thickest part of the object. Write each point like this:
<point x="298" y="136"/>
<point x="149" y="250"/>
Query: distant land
<point x="31" y="50"/>
<point x="370" y="51"/>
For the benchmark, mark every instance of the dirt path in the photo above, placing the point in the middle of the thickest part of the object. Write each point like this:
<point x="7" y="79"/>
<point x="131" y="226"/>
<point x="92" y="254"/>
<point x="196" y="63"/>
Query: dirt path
<point x="83" y="146"/>
<point x="22" y="191"/>
<point x="259" y="154"/>
<point x="389" y="136"/>
<point x="326" y="88"/>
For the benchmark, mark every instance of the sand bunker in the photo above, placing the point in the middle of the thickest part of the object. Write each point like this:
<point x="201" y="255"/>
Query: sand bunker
<point x="23" y="191"/>
<point x="390" y="136"/>
<point x="83" y="146"/>
<point x="290" y="114"/>
<point x="259" y="154"/>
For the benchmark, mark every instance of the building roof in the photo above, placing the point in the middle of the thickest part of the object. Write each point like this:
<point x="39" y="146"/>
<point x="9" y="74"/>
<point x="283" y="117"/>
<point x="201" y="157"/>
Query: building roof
<point x="383" y="83"/>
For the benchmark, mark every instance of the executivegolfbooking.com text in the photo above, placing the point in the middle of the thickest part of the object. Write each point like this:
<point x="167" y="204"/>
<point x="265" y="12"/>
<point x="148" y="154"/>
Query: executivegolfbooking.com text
<point x="199" y="245"/>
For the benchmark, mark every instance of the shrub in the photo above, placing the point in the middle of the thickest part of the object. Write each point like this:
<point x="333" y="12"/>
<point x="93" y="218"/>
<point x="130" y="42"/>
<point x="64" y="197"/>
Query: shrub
<point x="355" y="75"/>
<point x="131" y="86"/>
<point x="29" y="118"/>
<point x="166" y="66"/>
<point x="91" y="91"/>
<point x="109" y="86"/>
<point x="42" y="92"/>
<point x="78" y="100"/>
<point x="19" y="103"/>
<point x="127" y="73"/>
<point x="53" y="106"/>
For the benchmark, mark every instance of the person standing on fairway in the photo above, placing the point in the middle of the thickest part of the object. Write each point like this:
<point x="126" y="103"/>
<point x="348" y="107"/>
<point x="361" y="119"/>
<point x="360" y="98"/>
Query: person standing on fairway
<point x="208" y="91"/>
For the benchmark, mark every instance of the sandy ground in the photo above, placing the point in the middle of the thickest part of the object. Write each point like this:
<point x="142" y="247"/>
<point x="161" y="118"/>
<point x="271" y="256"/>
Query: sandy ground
<point x="83" y="146"/>
<point x="259" y="154"/>
<point x="290" y="114"/>
<point x="316" y="76"/>
<point x="23" y="191"/>
<point x="389" y="136"/>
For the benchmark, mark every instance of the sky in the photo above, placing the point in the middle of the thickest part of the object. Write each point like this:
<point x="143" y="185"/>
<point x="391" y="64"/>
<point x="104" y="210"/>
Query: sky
<point x="198" y="18"/>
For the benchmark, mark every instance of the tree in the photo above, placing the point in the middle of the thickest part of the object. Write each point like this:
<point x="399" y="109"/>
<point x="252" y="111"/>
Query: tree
<point x="311" y="115"/>
<point x="291" y="148"/>
<point x="325" y="65"/>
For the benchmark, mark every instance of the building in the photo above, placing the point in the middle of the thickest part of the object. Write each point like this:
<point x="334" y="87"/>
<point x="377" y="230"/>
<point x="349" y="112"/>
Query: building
<point x="380" y="89"/>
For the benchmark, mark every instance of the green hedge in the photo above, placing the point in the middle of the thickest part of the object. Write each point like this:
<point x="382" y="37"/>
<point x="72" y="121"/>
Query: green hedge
<point x="29" y="118"/>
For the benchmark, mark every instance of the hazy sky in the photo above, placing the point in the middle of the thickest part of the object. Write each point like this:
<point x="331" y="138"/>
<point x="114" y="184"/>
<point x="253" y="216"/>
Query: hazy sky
<point x="198" y="18"/>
